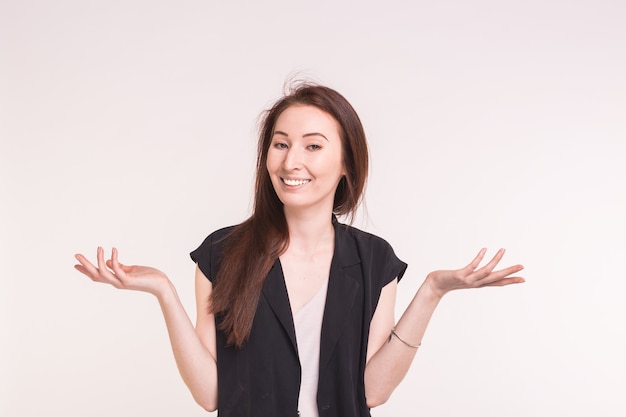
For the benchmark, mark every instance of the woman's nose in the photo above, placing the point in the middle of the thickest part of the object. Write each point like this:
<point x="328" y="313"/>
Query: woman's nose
<point x="293" y="159"/>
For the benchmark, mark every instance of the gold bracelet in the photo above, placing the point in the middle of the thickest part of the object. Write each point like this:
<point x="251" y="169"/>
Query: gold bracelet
<point x="393" y="333"/>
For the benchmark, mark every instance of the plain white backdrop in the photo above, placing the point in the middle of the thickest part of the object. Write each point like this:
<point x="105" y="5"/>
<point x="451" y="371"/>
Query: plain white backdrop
<point x="491" y="123"/>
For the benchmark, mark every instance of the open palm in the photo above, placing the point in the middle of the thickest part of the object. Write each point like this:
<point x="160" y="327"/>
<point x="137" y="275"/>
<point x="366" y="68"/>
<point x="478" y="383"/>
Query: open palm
<point x="135" y="277"/>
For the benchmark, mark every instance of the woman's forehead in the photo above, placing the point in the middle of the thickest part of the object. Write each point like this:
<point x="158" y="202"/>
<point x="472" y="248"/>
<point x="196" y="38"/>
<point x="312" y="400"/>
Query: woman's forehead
<point x="301" y="119"/>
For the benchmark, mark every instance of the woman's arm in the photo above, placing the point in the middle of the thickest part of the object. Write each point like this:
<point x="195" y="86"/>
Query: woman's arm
<point x="194" y="349"/>
<point x="389" y="357"/>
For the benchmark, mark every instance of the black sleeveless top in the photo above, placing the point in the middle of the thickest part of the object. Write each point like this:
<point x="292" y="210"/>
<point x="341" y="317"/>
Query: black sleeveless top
<point x="262" y="378"/>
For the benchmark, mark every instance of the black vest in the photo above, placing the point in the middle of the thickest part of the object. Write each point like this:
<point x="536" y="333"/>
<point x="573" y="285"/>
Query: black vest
<point x="262" y="379"/>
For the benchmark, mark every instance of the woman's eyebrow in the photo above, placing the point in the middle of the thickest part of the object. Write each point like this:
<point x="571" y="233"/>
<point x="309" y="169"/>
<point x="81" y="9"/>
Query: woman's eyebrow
<point x="314" y="134"/>
<point x="280" y="132"/>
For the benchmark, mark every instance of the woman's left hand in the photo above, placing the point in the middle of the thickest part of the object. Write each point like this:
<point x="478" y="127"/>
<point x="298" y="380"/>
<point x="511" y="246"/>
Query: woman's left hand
<point x="441" y="282"/>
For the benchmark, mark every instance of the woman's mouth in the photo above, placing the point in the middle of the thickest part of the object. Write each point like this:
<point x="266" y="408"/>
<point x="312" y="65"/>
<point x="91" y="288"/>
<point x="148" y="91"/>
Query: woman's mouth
<point x="294" y="183"/>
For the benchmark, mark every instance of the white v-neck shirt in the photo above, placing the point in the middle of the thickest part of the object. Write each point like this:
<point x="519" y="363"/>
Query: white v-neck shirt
<point x="308" y="325"/>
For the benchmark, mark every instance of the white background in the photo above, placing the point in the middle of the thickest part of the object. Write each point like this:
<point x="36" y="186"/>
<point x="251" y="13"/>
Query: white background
<point x="491" y="123"/>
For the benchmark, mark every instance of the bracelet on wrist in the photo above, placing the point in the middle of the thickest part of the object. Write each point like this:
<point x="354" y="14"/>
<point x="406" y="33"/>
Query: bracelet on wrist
<point x="393" y="333"/>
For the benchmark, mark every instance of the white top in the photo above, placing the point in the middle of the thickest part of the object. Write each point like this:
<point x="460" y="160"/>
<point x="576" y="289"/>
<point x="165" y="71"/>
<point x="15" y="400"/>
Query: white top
<point x="308" y="324"/>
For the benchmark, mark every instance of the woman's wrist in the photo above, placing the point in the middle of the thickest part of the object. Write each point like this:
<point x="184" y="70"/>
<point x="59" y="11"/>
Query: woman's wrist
<point x="164" y="290"/>
<point x="430" y="290"/>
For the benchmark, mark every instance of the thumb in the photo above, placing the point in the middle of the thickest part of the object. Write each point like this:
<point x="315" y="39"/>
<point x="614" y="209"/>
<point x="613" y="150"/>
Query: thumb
<point x="124" y="268"/>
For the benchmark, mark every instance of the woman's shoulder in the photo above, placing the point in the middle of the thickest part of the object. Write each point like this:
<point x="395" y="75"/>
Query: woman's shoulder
<point x="362" y="236"/>
<point x="220" y="234"/>
<point x="375" y="252"/>
<point x="214" y="242"/>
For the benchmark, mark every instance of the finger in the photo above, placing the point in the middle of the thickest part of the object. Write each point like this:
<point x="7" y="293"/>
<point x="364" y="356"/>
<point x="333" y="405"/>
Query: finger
<point x="477" y="260"/>
<point x="124" y="268"/>
<point x="115" y="264"/>
<point x="87" y="267"/>
<point x="505" y="281"/>
<point x="486" y="270"/>
<point x="94" y="276"/>
<point x="105" y="272"/>
<point x="100" y="256"/>
<point x="83" y="261"/>
<point x="496" y="276"/>
<point x="495" y="260"/>
<point x="82" y="270"/>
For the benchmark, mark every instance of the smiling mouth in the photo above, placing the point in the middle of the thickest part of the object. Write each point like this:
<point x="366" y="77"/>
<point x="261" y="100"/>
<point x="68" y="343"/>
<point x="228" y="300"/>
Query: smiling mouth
<point x="294" y="183"/>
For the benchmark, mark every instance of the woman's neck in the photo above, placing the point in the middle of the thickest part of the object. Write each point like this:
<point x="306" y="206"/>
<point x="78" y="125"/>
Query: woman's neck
<point x="309" y="230"/>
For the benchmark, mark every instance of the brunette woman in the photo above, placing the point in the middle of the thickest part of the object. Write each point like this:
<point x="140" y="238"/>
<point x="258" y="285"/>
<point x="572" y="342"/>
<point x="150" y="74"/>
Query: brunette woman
<point x="295" y="309"/>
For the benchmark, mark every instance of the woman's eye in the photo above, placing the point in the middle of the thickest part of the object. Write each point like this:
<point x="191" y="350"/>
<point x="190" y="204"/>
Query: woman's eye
<point x="280" y="145"/>
<point x="314" y="147"/>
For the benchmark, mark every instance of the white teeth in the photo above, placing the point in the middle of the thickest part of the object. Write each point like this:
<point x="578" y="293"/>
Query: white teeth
<point x="295" y="182"/>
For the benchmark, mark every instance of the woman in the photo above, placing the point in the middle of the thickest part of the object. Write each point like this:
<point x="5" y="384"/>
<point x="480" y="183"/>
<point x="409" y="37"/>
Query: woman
<point x="296" y="310"/>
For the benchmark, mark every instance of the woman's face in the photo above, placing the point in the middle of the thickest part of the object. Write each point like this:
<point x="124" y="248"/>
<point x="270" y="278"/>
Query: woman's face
<point x="304" y="160"/>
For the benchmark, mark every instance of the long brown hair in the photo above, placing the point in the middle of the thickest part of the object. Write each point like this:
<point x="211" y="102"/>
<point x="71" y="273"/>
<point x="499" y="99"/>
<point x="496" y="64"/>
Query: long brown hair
<point x="254" y="245"/>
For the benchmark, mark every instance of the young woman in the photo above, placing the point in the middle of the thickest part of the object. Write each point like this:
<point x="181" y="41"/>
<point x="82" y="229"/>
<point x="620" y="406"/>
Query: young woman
<point x="295" y="310"/>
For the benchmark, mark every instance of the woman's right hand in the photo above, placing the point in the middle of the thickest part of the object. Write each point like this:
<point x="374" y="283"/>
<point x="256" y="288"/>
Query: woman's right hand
<point x="139" y="278"/>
